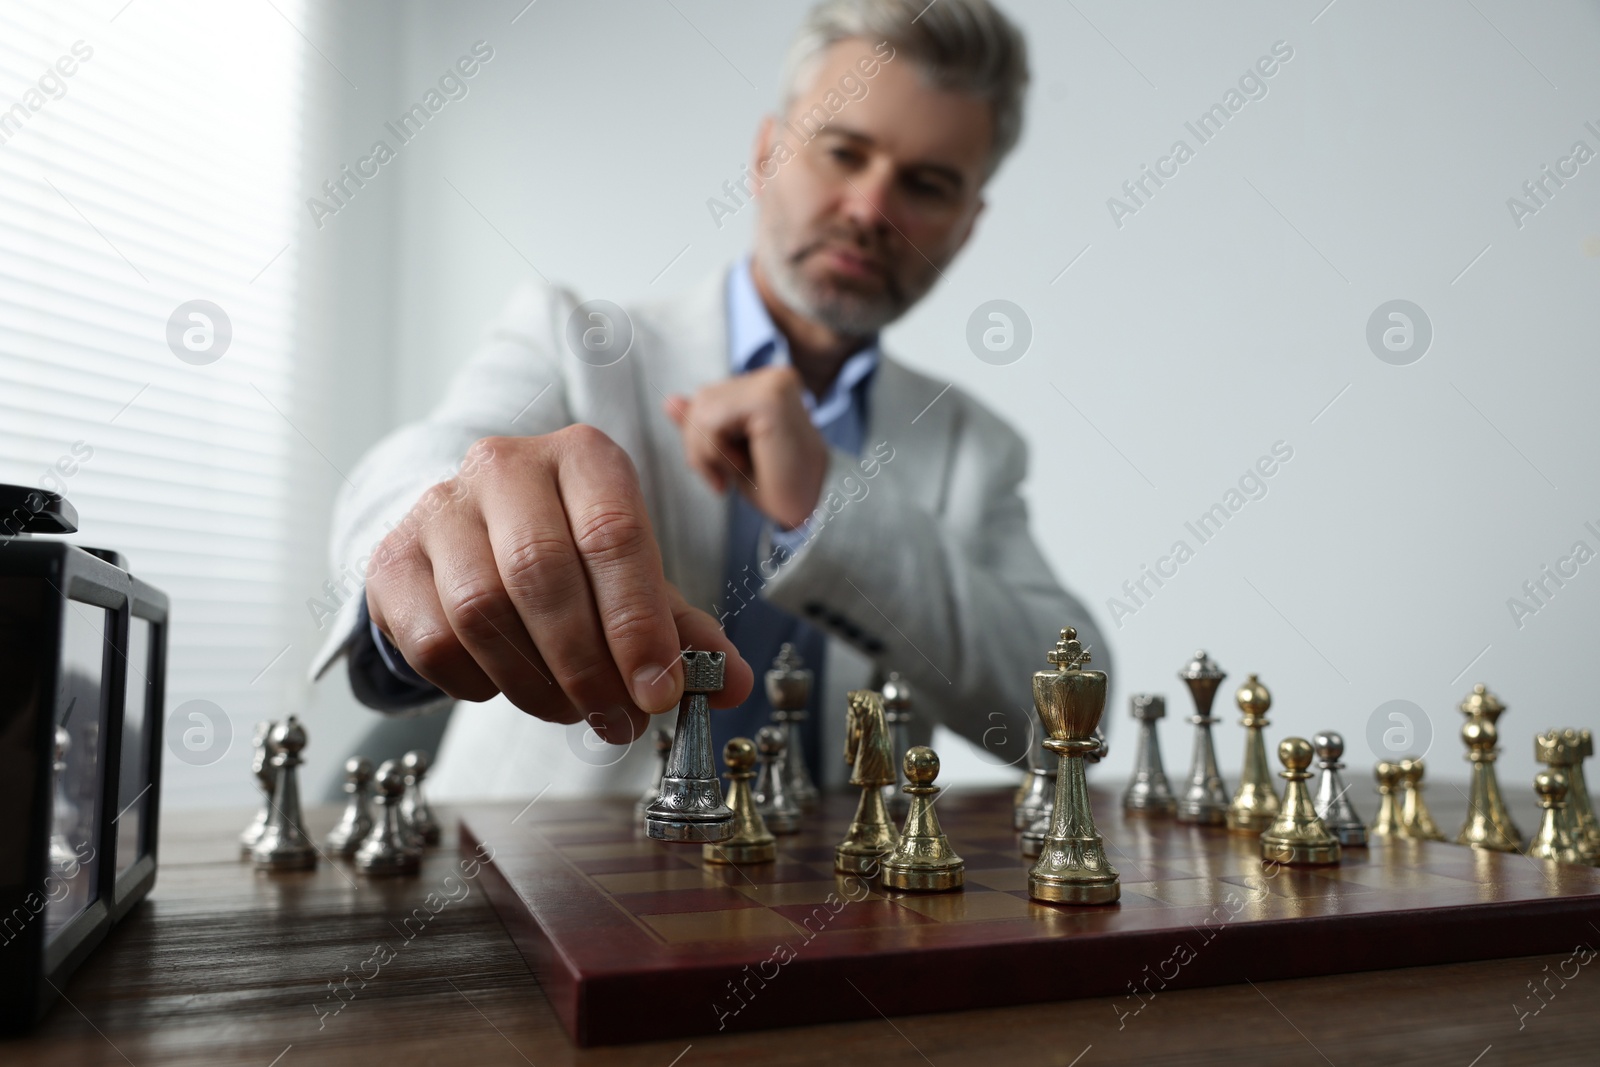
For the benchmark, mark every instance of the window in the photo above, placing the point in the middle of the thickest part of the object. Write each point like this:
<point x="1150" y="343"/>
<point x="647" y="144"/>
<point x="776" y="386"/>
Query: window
<point x="150" y="157"/>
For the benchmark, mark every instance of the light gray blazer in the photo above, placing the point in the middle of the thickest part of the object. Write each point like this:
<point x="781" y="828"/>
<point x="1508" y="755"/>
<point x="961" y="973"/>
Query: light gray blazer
<point x="923" y="562"/>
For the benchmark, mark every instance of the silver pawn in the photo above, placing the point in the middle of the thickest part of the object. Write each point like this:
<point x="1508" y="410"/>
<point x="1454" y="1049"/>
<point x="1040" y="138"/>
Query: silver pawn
<point x="789" y="691"/>
<point x="388" y="848"/>
<point x="284" y="846"/>
<point x="663" y="742"/>
<point x="414" y="810"/>
<point x="1033" y="837"/>
<point x="1148" y="792"/>
<point x="356" y="822"/>
<point x="1333" y="796"/>
<point x="896" y="692"/>
<point x="261" y="767"/>
<point x="771" y="793"/>
<point x="64" y="817"/>
<point x="1037" y="796"/>
<point x="690" y="808"/>
<point x="1205" y="801"/>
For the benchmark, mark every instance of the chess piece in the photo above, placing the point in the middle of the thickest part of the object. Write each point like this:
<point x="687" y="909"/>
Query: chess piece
<point x="1072" y="867"/>
<point x="1558" y="749"/>
<point x="1415" y="819"/>
<point x="751" y="841"/>
<point x="661" y="737"/>
<point x="1333" y="804"/>
<point x="1578" y="796"/>
<point x="1037" y="793"/>
<point x="1553" y="840"/>
<point x="284" y="846"/>
<point x="1148" y="793"/>
<point x="1205" y="800"/>
<point x="897" y="713"/>
<point x="923" y="860"/>
<point x="771" y="792"/>
<point x="356" y="823"/>
<point x="1255" y="806"/>
<point x="1388" y="823"/>
<point x="869" y="750"/>
<point x="1297" y="836"/>
<point x="690" y="807"/>
<point x="388" y="849"/>
<point x="1482" y="704"/>
<point x="261" y="767"/>
<point x="1488" y="824"/>
<point x="789" y="691"/>
<point x="415" y="813"/>
<point x="64" y="814"/>
<point x="1032" y="839"/>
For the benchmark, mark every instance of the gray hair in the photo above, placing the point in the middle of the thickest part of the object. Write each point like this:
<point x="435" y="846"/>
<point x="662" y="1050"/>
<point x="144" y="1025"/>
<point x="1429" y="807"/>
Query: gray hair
<point x="959" y="45"/>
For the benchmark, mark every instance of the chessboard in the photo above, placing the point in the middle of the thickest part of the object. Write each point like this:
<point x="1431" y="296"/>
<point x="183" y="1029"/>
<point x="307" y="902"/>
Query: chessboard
<point x="634" y="939"/>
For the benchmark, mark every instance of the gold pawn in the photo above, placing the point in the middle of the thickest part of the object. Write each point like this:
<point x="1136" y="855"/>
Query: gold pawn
<point x="923" y="860"/>
<point x="1488" y="824"/>
<point x="1415" y="819"/>
<point x="1558" y="749"/>
<point x="751" y="842"/>
<point x="1255" y="806"/>
<point x="1388" y="823"/>
<point x="1553" y="841"/>
<point x="1298" y="836"/>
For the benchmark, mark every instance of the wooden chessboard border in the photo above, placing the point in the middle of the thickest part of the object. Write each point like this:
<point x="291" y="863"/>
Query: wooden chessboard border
<point x="612" y="979"/>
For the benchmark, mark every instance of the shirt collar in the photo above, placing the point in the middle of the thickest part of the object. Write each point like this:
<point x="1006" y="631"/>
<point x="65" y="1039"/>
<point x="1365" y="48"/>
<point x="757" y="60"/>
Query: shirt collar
<point x="755" y="341"/>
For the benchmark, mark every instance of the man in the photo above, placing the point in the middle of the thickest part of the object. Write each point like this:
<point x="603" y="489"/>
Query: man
<point x="732" y="470"/>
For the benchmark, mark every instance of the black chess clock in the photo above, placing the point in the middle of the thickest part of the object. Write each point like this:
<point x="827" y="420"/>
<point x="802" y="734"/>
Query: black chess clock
<point x="83" y="652"/>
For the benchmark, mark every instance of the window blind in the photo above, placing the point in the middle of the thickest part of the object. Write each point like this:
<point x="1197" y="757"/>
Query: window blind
<point x="150" y="157"/>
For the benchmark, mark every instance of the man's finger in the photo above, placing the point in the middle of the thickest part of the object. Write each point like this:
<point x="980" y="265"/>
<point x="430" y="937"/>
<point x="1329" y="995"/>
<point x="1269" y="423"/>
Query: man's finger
<point x="405" y="606"/>
<point x="483" y="617"/>
<point x="610" y="526"/>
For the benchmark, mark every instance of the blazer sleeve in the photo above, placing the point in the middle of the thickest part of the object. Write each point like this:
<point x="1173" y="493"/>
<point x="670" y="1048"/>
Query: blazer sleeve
<point x="960" y="602"/>
<point x="513" y="385"/>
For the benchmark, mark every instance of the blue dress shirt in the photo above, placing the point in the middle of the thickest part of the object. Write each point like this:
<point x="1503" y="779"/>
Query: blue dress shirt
<point x="757" y="628"/>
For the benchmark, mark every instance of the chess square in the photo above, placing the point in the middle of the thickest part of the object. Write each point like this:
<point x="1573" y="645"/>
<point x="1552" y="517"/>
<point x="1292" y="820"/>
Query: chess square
<point x="967" y="906"/>
<point x="872" y="914"/>
<point x="609" y="850"/>
<point x="993" y="859"/>
<point x="720" y="899"/>
<point x="789" y="870"/>
<point x="629" y="864"/>
<point x="1390" y="878"/>
<point x="1195" y="892"/>
<point x="661" y="881"/>
<point x="598" y="831"/>
<point x="809" y="892"/>
<point x="739" y="924"/>
<point x="1005" y="879"/>
<point x="1297" y="882"/>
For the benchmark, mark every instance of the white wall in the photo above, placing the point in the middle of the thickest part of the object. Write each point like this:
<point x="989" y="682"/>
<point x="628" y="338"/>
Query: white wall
<point x="1221" y="318"/>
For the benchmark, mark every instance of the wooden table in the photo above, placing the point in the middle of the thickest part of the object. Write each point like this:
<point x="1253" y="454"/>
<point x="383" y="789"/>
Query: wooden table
<point x="224" y="965"/>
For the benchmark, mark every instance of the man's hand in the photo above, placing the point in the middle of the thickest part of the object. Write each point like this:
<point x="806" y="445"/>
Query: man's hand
<point x="535" y="573"/>
<point x="753" y="431"/>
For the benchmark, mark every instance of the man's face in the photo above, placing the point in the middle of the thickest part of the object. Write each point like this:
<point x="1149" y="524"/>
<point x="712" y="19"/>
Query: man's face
<point x="858" y="222"/>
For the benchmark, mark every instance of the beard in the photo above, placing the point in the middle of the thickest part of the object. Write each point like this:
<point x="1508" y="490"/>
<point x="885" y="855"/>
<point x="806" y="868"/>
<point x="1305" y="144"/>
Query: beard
<point x="847" y="306"/>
